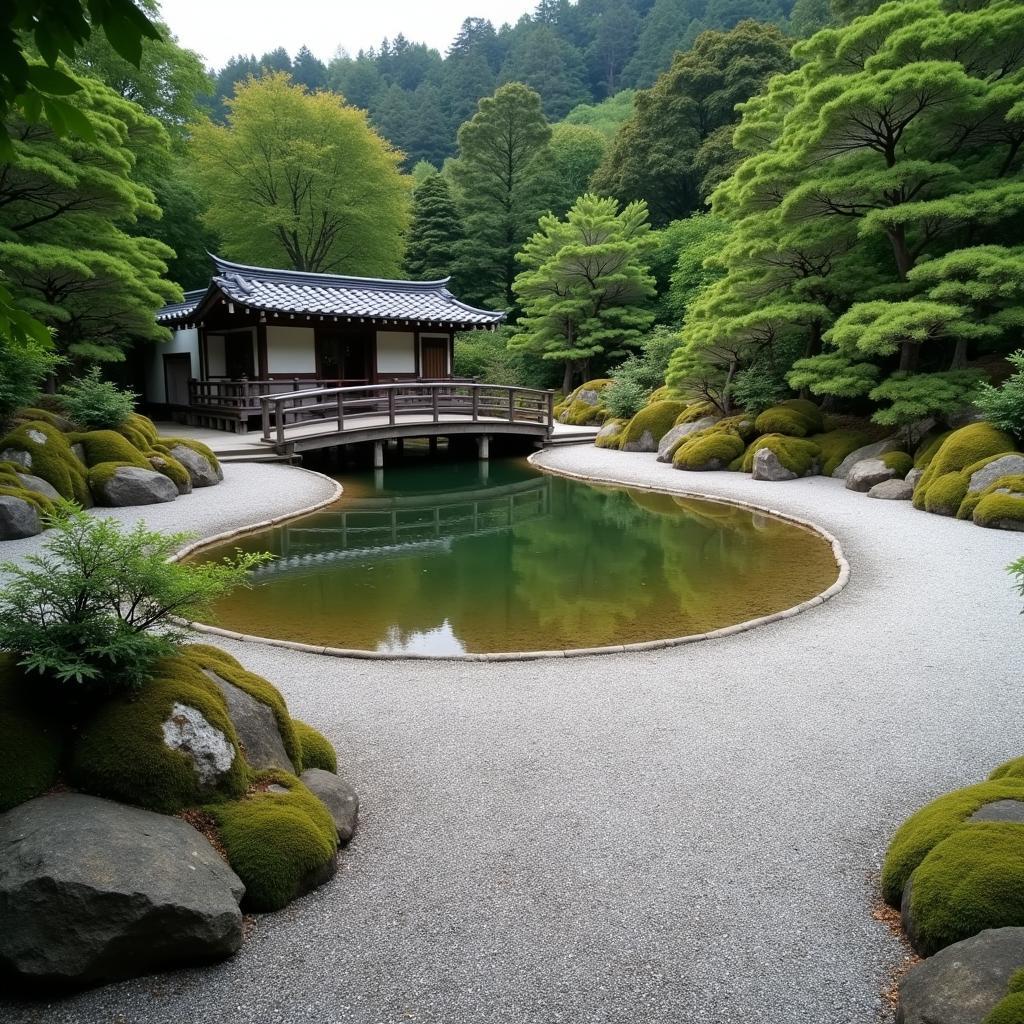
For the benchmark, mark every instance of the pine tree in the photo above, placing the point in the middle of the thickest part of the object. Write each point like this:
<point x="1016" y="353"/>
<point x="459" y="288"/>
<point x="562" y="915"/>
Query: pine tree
<point x="435" y="235"/>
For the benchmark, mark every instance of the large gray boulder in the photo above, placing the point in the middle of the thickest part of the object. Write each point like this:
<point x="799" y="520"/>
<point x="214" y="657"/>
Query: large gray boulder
<point x="39" y="485"/>
<point x="865" y="474"/>
<point x="892" y="490"/>
<point x="869" y="451"/>
<point x="963" y="982"/>
<point x="132" y="485"/>
<point x="1003" y="465"/>
<point x="256" y="727"/>
<point x="914" y="477"/>
<point x="768" y="467"/>
<point x="338" y="797"/>
<point x="202" y="472"/>
<point x="159" y="463"/>
<point x="92" y="890"/>
<point x="18" y="518"/>
<point x="609" y="428"/>
<point x="674" y="438"/>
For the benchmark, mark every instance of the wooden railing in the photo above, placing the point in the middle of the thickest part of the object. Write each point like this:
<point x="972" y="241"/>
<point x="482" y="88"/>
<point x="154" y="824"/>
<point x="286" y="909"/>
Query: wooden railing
<point x="427" y="402"/>
<point x="243" y="395"/>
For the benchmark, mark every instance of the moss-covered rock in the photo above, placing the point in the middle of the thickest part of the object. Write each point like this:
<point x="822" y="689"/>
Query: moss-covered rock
<point x="44" y="451"/>
<point x="1001" y="505"/>
<point x="170" y="467"/>
<point x="1009" y="770"/>
<point x="799" y="455"/>
<point x="315" y="749"/>
<point x="741" y="424"/>
<point x="610" y="434"/>
<point x="709" y="450"/>
<point x="140" y="431"/>
<point x="694" y="411"/>
<point x="1007" y="1011"/>
<point x="945" y="494"/>
<point x="108" y="446"/>
<point x="280" y="840"/>
<point x="582" y="406"/>
<point x="122" y="750"/>
<point x="795" y="418"/>
<point x="55" y="418"/>
<point x="649" y="426"/>
<point x="968" y="882"/>
<point x="899" y="462"/>
<point x="662" y="394"/>
<point x="933" y="823"/>
<point x="30" y="743"/>
<point x="959" y="450"/>
<point x="165" y="444"/>
<point x="928" y="447"/>
<point x="835" y="445"/>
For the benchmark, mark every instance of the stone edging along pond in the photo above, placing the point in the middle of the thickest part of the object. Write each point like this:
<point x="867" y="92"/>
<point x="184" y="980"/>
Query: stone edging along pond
<point x="647" y="645"/>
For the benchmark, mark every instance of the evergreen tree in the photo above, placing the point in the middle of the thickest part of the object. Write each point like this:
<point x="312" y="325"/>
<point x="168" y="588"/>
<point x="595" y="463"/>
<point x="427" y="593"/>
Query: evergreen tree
<point x="308" y="71"/>
<point x="661" y="37"/>
<point x="548" y="65"/>
<point x="435" y="234"/>
<point x="502" y="174"/>
<point x="614" y="40"/>
<point x="586" y="285"/>
<point x="576" y="152"/>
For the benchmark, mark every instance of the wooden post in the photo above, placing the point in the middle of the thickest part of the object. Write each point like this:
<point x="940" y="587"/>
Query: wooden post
<point x="391" y="405"/>
<point x="511" y="406"/>
<point x="280" y="422"/>
<point x="265" y="414"/>
<point x="476" y="402"/>
<point x="551" y="409"/>
<point x="378" y="454"/>
<point x="341" y="411"/>
<point x="433" y="399"/>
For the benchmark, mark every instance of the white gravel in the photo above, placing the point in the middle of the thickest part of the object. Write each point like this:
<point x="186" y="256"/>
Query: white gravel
<point x="687" y="835"/>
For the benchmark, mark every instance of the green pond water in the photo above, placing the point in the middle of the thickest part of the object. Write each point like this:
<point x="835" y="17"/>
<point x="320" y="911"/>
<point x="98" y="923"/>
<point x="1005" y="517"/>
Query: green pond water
<point x="462" y="557"/>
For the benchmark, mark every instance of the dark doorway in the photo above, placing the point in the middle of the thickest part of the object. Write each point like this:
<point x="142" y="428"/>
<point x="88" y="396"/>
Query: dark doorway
<point x="342" y="356"/>
<point x="238" y="356"/>
<point x="434" y="358"/>
<point x="177" y="374"/>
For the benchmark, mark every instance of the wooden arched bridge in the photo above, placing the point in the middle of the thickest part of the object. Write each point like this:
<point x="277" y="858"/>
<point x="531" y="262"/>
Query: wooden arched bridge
<point x="300" y="421"/>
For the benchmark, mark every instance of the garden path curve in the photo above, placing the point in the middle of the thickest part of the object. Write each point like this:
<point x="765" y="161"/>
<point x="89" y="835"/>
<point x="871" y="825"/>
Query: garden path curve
<point x="687" y="835"/>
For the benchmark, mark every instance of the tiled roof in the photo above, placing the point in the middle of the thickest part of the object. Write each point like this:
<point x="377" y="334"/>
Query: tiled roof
<point x="292" y="291"/>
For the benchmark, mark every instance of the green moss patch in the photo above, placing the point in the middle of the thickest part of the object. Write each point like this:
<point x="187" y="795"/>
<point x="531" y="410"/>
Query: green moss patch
<point x="1009" y="770"/>
<point x="899" y="462"/>
<point x="275" y="841"/>
<point x="579" y="413"/>
<point x="708" y="450"/>
<point x="316" y="749"/>
<point x="935" y="822"/>
<point x="972" y="880"/>
<point x="1009" y="1010"/>
<point x="108" y="446"/>
<point x="165" y="444"/>
<point x="835" y="445"/>
<point x="795" y="418"/>
<point x="694" y="411"/>
<point x="662" y="394"/>
<point x="30" y="745"/>
<point x="120" y="752"/>
<point x="945" y="494"/>
<point x="140" y="431"/>
<point x="797" y="454"/>
<point x="1000" y="505"/>
<point x="52" y="458"/>
<point x="613" y="438"/>
<point x="961" y="449"/>
<point x="657" y="419"/>
<point x="170" y="467"/>
<point x="928" y="448"/>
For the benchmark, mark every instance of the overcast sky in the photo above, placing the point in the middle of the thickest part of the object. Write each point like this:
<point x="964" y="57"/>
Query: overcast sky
<point x="218" y="29"/>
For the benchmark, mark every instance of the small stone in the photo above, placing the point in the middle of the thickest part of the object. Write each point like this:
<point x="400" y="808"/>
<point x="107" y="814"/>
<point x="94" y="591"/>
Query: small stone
<point x="40" y="486"/>
<point x="914" y="476"/>
<point x="1004" y="465"/>
<point x="768" y="467"/>
<point x="865" y="474"/>
<point x="674" y="438"/>
<point x="202" y="472"/>
<point x="18" y="456"/>
<point x="18" y="518"/>
<point x="338" y="797"/>
<point x="131" y="485"/>
<point x="210" y="751"/>
<point x="892" y="490"/>
<point x="869" y="451"/>
<point x="37" y="436"/>
<point x="1000" y="810"/>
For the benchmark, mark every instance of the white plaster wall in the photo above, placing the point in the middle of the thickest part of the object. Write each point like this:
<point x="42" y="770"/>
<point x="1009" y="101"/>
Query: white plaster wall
<point x="396" y="352"/>
<point x="215" y="365"/>
<point x="181" y="341"/>
<point x="290" y="349"/>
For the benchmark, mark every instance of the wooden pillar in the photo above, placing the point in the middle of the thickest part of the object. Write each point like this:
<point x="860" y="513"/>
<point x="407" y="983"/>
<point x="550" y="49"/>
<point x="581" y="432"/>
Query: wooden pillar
<point x="483" y="445"/>
<point x="378" y="454"/>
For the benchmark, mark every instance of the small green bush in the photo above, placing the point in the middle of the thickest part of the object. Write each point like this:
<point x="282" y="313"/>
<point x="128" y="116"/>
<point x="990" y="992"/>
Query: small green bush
<point x="797" y="454"/>
<point x="656" y="419"/>
<point x="795" y="418"/>
<point x="708" y="450"/>
<point x="95" y="403"/>
<point x="899" y="462"/>
<point x="52" y="459"/>
<point x="316" y="749"/>
<point x="970" y="881"/>
<point x="274" y="841"/>
<point x="1016" y="569"/>
<point x="25" y="363"/>
<point x="960" y="449"/>
<point x="933" y="823"/>
<point x="835" y="445"/>
<point x="624" y="398"/>
<point x="1003" y="406"/>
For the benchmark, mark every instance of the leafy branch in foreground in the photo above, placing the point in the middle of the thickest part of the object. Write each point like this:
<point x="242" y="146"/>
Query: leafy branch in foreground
<point x="101" y="604"/>
<point x="1017" y="569"/>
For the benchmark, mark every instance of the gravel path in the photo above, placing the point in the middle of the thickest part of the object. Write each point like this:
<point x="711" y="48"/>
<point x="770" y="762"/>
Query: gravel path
<point x="687" y="835"/>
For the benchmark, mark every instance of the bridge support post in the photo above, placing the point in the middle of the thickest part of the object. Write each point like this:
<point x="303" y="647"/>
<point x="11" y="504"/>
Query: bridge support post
<point x="433" y="443"/>
<point x="378" y="454"/>
<point x="483" y="447"/>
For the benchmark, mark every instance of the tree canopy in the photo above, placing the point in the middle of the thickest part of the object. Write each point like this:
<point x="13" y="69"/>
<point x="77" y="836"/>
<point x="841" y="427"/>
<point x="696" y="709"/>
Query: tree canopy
<point x="435" y="235"/>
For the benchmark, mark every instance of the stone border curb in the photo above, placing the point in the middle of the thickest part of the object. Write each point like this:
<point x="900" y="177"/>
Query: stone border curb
<point x="647" y="645"/>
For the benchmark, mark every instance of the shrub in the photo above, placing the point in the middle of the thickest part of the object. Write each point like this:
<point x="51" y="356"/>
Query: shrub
<point x="95" y="403"/>
<point x="972" y="880"/>
<point x="24" y="365"/>
<point x="315" y="749"/>
<point x="656" y="419"/>
<point x="275" y="841"/>
<point x="795" y="418"/>
<point x="899" y="462"/>
<point x="485" y="356"/>
<point x="92" y="612"/>
<point x="50" y="457"/>
<point x="1017" y="569"/>
<point x="624" y="397"/>
<point x="933" y="823"/>
<point x="708" y="450"/>
<point x="797" y="454"/>
<point x="1003" y="406"/>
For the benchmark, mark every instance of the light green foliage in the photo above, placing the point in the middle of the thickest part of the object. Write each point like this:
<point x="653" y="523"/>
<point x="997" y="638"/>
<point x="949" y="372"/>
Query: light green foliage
<point x="1013" y="769"/>
<point x="912" y="397"/>
<point x="613" y="438"/>
<point x="51" y="458"/>
<point x="95" y="403"/>
<point x="1016" y="569"/>
<point x="708" y="450"/>
<point x="971" y="881"/>
<point x="797" y="454"/>
<point x="996" y="508"/>
<point x="655" y="419"/>
<point x="928" y="827"/>
<point x="502" y="174"/>
<point x="90" y="613"/>
<point x="835" y="445"/>
<point x="684" y="261"/>
<point x="899" y="462"/>
<point x="67" y="222"/>
<point x="1003" y="406"/>
<point x="796" y="418"/>
<point x="301" y="181"/>
<point x="435" y="233"/>
<point x="636" y="380"/>
<point x="576" y="150"/>
<point x="961" y="449"/>
<point x="605" y="117"/>
<point x="275" y="840"/>
<point x="26" y="359"/>
<point x="315" y="750"/>
<point x="485" y="355"/>
<point x="626" y="395"/>
<point x="30" y="746"/>
<point x="120" y="751"/>
<point x="585" y="285"/>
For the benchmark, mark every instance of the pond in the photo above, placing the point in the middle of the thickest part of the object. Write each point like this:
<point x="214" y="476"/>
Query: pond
<point x="448" y="558"/>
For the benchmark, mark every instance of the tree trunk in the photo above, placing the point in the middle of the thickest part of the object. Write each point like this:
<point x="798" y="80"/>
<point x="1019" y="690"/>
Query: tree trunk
<point x="567" y="377"/>
<point x="909" y="353"/>
<point x="959" y="360"/>
<point x="901" y="252"/>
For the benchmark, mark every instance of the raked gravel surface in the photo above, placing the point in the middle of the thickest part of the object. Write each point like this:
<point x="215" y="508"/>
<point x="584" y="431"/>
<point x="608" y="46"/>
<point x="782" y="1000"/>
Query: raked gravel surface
<point x="684" y="835"/>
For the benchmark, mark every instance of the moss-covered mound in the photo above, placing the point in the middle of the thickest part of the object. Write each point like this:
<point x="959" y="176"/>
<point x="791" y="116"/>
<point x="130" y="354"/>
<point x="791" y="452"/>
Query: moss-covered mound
<point x="662" y="394"/>
<point x="610" y="434"/>
<point x="280" y="840"/>
<point x="1000" y="505"/>
<point x="12" y="483"/>
<point x="741" y="424"/>
<point x="972" y="880"/>
<point x="899" y="462"/>
<point x="795" y="418"/>
<point x="650" y="425"/>
<point x="121" y="752"/>
<point x="835" y="445"/>
<point x="315" y="750"/>
<point x="171" y="468"/>
<point x="1010" y="1009"/>
<point x="140" y="431"/>
<point x="694" y="411"/>
<point x="961" y="450"/>
<point x="583" y="405"/>
<point x="928" y="827"/>
<point x="30" y="745"/>
<point x="165" y="444"/>
<point x="708" y="450"/>
<point x="44" y="451"/>
<point x="108" y="446"/>
<point x="928" y="448"/>
<point x="797" y="454"/>
<point x="1009" y="770"/>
